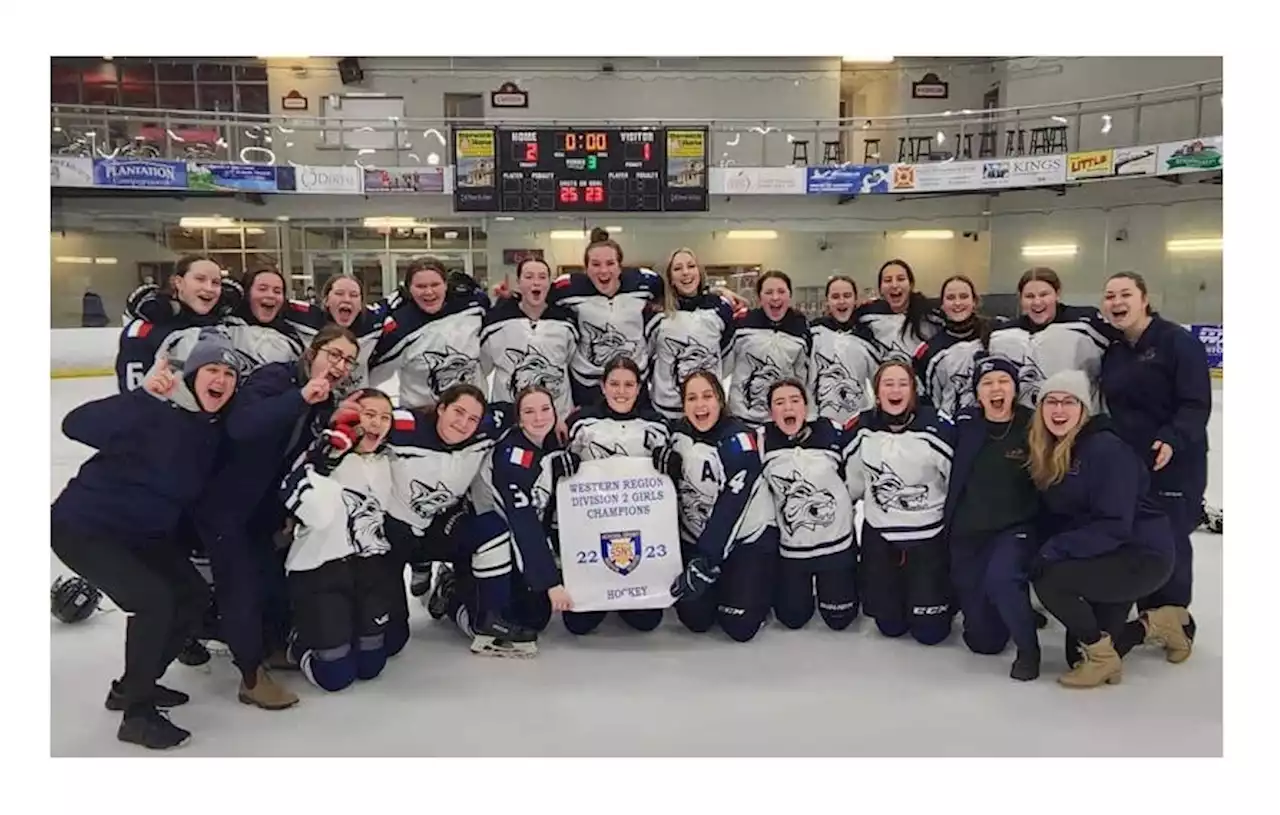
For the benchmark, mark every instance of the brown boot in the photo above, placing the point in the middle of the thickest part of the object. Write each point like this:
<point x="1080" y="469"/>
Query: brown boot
<point x="266" y="693"/>
<point x="1165" y="627"/>
<point x="1101" y="665"/>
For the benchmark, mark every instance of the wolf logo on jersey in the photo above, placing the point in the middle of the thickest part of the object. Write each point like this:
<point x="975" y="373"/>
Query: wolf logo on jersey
<point x="803" y="504"/>
<point x="889" y="491"/>
<point x="836" y="388"/>
<point x="695" y="504"/>
<point x="540" y="496"/>
<point x="959" y="394"/>
<point x="689" y="356"/>
<point x="364" y="523"/>
<point x="598" y="450"/>
<point x="764" y="372"/>
<point x="448" y="367"/>
<point x="606" y="342"/>
<point x="1030" y="375"/>
<point x="427" y="501"/>
<point x="534" y="368"/>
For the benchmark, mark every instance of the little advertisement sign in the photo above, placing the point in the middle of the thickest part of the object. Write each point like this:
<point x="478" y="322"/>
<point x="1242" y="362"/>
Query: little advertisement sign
<point x="619" y="539"/>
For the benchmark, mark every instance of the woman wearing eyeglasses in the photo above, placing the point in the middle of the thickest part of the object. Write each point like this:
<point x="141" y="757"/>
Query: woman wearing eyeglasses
<point x="280" y="410"/>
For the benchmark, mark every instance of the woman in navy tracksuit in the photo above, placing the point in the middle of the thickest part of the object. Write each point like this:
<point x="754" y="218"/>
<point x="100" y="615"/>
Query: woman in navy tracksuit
<point x="1106" y="542"/>
<point x="990" y="518"/>
<point x="115" y="523"/>
<point x="1157" y="389"/>
<point x="281" y="409"/>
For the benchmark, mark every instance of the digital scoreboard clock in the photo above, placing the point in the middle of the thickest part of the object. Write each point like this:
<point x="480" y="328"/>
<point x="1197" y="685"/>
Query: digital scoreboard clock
<point x="638" y="169"/>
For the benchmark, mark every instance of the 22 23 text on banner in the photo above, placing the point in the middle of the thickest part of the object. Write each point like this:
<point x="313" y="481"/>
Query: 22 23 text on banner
<point x="619" y="535"/>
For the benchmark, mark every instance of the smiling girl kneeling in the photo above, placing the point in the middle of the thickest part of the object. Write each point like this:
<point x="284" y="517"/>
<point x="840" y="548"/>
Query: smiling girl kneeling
<point x="336" y="574"/>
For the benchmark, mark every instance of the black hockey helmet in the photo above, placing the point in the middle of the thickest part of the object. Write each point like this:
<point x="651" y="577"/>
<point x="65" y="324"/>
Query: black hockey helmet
<point x="72" y="599"/>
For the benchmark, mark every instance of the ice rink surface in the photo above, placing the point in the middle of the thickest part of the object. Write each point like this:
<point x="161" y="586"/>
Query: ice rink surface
<point x="812" y="692"/>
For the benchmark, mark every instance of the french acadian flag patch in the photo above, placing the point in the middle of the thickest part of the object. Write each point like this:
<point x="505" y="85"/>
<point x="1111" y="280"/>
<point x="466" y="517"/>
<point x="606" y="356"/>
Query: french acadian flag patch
<point x="402" y="419"/>
<point x="745" y="441"/>
<point x="139" y="328"/>
<point x="521" y="457"/>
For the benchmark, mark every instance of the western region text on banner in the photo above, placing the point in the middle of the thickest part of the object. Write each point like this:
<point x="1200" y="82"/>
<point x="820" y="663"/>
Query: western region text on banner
<point x="619" y="535"/>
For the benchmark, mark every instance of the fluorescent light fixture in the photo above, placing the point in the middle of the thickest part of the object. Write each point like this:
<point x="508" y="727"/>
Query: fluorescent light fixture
<point x="1049" y="250"/>
<point x="1189" y="245"/>
<point x="105" y="261"/>
<point x="928" y="235"/>
<point x="67" y="259"/>
<point x="751" y="235"/>
<point x="613" y="230"/>
<point x="866" y="59"/>
<point x="504" y="218"/>
<point x="451" y="236"/>
<point x="205" y="223"/>
<point x="390" y="223"/>
<point x="568" y="235"/>
<point x="232" y="230"/>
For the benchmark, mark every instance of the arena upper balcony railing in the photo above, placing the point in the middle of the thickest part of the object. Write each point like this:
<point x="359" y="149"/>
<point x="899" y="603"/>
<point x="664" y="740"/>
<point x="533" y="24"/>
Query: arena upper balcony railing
<point x="1150" y="116"/>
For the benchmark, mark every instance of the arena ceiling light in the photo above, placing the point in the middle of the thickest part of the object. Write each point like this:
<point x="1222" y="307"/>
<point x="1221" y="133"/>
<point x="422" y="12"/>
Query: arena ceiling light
<point x="879" y="60"/>
<point x="1049" y="250"/>
<point x="1194" y="245"/>
<point x="205" y="223"/>
<point x="392" y="223"/>
<point x="579" y="234"/>
<point x="928" y="235"/>
<point x="751" y="235"/>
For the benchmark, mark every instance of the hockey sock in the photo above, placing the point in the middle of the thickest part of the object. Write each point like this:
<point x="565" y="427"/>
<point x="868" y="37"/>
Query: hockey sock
<point x="330" y="669"/>
<point x="371" y="657"/>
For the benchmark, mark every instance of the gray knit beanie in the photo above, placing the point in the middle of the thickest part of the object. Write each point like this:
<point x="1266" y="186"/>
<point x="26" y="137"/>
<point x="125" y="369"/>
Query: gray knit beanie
<point x="1075" y="383"/>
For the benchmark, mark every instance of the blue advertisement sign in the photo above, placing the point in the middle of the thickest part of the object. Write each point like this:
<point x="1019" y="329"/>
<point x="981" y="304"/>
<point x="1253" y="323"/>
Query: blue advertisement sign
<point x="1211" y="337"/>
<point x="851" y="179"/>
<point x="237" y="177"/>
<point x="139" y="172"/>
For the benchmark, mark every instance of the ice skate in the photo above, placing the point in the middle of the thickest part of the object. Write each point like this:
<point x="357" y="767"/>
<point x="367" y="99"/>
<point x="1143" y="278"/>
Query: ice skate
<point x="437" y="601"/>
<point x="499" y="638"/>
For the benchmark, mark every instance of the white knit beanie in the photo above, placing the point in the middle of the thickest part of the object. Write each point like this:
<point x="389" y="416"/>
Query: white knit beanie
<point x="1075" y="383"/>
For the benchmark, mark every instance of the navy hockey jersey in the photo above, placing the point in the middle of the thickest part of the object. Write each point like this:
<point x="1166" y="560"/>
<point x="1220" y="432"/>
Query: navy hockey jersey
<point x="1075" y="339"/>
<point x="812" y="507"/>
<point x="844" y="363"/>
<point x="515" y="482"/>
<point x="430" y="351"/>
<point x="944" y="367"/>
<point x="901" y="476"/>
<point x="763" y="352"/>
<point x="141" y="341"/>
<point x="519" y="351"/>
<point x="598" y="432"/>
<point x="723" y="501"/>
<point x="894" y="338"/>
<point x="339" y="515"/>
<point x="429" y="476"/>
<point x="608" y="326"/>
<point x="307" y="319"/>
<point x="694" y="337"/>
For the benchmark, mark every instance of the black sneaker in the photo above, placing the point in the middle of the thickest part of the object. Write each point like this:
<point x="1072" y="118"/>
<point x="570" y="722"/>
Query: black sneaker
<point x="194" y="654"/>
<point x="1026" y="666"/>
<point x="162" y="697"/>
<point x="151" y="729"/>
<point x="1042" y="622"/>
<point x="441" y="595"/>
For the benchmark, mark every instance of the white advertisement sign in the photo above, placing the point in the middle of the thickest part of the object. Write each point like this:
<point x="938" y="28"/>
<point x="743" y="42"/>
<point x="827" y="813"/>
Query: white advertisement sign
<point x="619" y="538"/>
<point x="757" y="181"/>
<point x="931" y="177"/>
<point x="70" y="171"/>
<point x="329" y="180"/>
<point x="1024" y="171"/>
<point x="1136" y="160"/>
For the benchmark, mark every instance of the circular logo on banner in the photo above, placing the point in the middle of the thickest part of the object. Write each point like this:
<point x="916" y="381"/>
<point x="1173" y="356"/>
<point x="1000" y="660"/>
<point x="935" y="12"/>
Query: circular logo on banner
<point x="904" y="177"/>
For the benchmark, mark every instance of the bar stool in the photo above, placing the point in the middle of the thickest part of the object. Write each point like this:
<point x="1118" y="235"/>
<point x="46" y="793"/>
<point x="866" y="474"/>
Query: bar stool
<point x="964" y="145"/>
<point x="870" y="151"/>
<point x="913" y="148"/>
<point x="987" y="144"/>
<point x="1010" y="149"/>
<point x="1047" y="139"/>
<point x="800" y="151"/>
<point x="832" y="152"/>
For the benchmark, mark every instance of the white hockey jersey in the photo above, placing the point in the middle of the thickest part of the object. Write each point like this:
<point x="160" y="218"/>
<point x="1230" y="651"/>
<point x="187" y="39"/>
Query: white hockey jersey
<point x="598" y="432"/>
<point x="692" y="338"/>
<point x="1075" y="340"/>
<point x="307" y="319"/>
<point x="893" y="336"/>
<point x="841" y="369"/>
<point x="812" y="507"/>
<point x="519" y="351"/>
<point x="431" y="352"/>
<point x="254" y="345"/>
<point x="901" y="476"/>
<point x="341" y="514"/>
<point x="608" y="326"/>
<point x="764" y="352"/>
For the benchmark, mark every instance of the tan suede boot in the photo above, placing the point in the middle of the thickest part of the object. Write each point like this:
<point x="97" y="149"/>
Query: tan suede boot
<point x="1165" y="627"/>
<point x="266" y="693"/>
<point x="1101" y="665"/>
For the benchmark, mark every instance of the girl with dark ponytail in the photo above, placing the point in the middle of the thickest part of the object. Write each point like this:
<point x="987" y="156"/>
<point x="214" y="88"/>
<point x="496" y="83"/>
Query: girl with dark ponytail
<point x="944" y="363"/>
<point x="902" y="318"/>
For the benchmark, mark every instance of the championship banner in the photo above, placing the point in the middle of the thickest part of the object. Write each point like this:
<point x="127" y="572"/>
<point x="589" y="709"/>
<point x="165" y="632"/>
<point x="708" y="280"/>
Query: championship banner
<point x="619" y="535"/>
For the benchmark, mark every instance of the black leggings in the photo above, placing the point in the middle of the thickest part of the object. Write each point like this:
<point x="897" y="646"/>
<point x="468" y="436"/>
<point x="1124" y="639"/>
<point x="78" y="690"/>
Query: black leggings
<point x="1093" y="595"/>
<point x="156" y="585"/>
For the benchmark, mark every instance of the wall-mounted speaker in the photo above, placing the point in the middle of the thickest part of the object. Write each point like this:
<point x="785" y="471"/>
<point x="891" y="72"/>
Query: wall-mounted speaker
<point x="350" y="71"/>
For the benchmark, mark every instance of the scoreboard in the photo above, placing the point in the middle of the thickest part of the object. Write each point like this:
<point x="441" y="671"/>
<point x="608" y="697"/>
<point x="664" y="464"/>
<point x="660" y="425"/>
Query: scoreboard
<point x="638" y="169"/>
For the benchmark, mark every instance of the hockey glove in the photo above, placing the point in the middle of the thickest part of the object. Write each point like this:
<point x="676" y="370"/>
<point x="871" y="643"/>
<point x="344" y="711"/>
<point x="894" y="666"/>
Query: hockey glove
<point x="563" y="465"/>
<point x="696" y="578"/>
<point x="668" y="462"/>
<point x="336" y="441"/>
